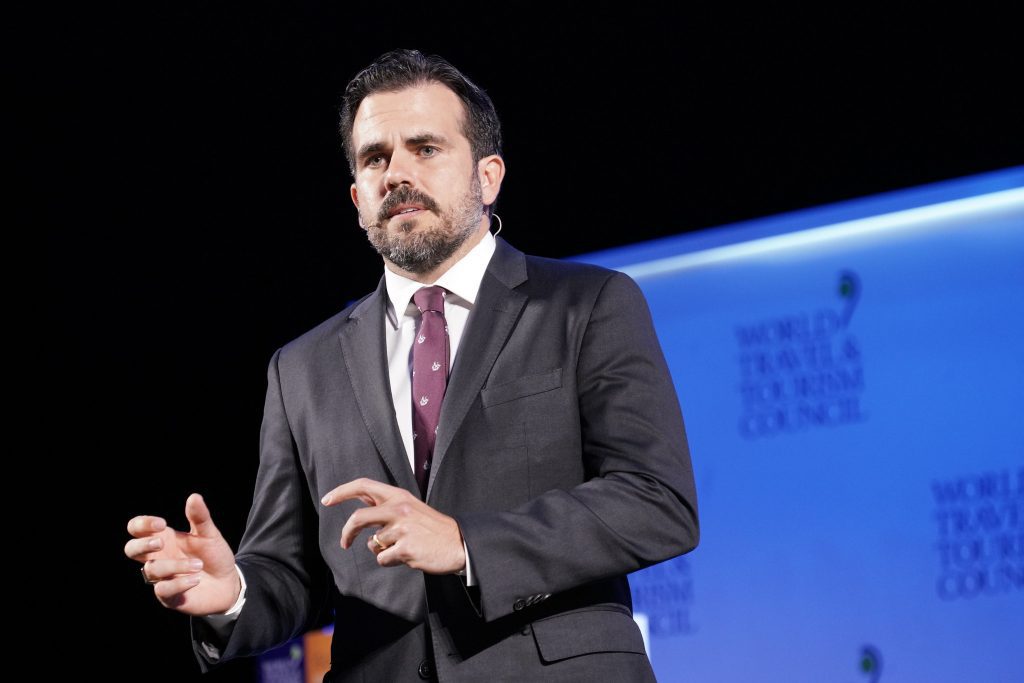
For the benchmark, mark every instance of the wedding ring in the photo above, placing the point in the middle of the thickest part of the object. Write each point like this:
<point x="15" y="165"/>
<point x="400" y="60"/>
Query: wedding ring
<point x="146" y="578"/>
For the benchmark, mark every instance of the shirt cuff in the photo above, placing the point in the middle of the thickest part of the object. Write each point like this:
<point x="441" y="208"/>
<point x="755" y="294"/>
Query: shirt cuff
<point x="468" y="571"/>
<point x="222" y="624"/>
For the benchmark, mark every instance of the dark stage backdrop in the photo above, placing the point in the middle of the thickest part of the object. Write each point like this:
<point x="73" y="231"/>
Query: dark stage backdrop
<point x="185" y="167"/>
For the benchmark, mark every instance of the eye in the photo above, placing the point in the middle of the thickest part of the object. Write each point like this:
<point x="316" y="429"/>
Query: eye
<point x="429" y="151"/>
<point x="374" y="160"/>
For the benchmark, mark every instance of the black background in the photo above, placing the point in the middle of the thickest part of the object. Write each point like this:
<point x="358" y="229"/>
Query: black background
<point x="197" y="216"/>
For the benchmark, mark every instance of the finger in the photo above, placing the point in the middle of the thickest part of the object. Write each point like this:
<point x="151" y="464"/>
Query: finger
<point x="362" y="518"/>
<point x="393" y="556"/>
<point x="367" y="490"/>
<point x="138" y="548"/>
<point x="144" y="525"/>
<point x="167" y="569"/>
<point x="171" y="592"/>
<point x="199" y="518"/>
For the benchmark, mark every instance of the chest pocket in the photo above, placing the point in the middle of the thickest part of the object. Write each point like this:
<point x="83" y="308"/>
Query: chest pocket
<point x="524" y="386"/>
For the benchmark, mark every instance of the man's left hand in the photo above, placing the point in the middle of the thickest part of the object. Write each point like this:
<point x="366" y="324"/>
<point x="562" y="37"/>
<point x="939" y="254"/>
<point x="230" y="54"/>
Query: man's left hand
<point x="410" y="532"/>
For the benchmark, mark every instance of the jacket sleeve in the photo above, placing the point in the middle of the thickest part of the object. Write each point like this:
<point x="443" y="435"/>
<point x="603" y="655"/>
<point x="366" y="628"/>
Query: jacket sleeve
<point x="638" y="505"/>
<point x="286" y="577"/>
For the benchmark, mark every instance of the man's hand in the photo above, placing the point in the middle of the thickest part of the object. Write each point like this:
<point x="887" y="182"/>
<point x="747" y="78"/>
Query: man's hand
<point x="194" y="572"/>
<point x="409" y="531"/>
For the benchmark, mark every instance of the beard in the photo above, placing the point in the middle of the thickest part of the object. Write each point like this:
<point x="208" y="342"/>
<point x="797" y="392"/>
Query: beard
<point x="421" y="250"/>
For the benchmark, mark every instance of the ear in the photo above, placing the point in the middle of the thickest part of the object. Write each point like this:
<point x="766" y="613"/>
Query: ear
<point x="491" y="171"/>
<point x="354" y="193"/>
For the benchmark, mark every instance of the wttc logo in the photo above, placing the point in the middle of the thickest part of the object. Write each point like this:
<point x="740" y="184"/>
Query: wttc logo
<point x="979" y="517"/>
<point x="802" y="370"/>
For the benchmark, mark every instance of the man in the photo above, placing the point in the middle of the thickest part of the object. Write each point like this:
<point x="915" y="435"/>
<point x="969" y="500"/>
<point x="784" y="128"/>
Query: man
<point x="464" y="464"/>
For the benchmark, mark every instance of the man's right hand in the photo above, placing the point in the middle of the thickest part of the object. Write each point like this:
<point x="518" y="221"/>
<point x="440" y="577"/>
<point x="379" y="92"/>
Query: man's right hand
<point x="211" y="587"/>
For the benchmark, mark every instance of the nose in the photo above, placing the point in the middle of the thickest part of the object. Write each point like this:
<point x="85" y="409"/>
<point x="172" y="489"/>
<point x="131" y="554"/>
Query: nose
<point x="400" y="170"/>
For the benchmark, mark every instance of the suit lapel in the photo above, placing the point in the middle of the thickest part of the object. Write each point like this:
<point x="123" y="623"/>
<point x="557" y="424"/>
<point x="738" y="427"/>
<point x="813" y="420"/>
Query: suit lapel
<point x="363" y="347"/>
<point x="494" y="315"/>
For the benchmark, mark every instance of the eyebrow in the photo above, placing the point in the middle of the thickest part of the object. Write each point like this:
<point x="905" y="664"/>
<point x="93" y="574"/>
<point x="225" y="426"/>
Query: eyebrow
<point x="414" y="141"/>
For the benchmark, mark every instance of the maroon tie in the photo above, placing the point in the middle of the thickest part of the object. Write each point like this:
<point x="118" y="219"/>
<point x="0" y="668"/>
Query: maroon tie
<point x="429" y="378"/>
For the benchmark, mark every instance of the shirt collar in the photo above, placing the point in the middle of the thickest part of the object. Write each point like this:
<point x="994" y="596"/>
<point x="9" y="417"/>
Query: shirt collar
<point x="462" y="280"/>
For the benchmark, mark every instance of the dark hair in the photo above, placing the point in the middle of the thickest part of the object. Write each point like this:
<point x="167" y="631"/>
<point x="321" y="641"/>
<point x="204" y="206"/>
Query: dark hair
<point x="400" y="69"/>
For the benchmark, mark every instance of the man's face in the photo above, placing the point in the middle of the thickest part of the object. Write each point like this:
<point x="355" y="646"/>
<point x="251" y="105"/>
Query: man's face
<point x="416" y="187"/>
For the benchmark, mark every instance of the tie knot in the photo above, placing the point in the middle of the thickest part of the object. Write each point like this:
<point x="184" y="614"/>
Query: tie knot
<point x="430" y="299"/>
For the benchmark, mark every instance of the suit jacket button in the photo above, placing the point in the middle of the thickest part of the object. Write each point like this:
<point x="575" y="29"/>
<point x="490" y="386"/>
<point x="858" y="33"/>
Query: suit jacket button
<point x="519" y="604"/>
<point x="424" y="670"/>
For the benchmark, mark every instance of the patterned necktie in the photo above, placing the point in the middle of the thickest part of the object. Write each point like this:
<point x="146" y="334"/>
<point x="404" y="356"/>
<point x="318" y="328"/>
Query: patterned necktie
<point x="429" y="378"/>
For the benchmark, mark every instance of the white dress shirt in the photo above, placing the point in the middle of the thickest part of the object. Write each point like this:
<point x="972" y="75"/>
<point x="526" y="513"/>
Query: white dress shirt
<point x="462" y="282"/>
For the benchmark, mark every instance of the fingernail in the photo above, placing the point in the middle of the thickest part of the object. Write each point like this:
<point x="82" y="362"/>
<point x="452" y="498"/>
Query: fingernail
<point x="195" y="564"/>
<point x="158" y="524"/>
<point x="191" y="580"/>
<point x="154" y="543"/>
<point x="326" y="499"/>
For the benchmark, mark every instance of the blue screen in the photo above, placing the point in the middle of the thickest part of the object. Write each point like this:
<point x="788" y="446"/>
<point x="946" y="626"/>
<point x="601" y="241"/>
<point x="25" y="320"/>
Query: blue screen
<point x="852" y="380"/>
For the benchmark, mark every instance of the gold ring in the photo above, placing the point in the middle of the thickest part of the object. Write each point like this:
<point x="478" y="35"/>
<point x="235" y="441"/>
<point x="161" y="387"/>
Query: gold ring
<point x="146" y="578"/>
<point x="379" y="544"/>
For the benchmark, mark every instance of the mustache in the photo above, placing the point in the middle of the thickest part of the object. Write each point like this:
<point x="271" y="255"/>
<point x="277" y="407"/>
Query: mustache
<point x="405" y="195"/>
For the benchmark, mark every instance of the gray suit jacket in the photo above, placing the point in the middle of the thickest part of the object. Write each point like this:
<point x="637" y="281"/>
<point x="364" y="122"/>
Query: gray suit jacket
<point x="561" y="453"/>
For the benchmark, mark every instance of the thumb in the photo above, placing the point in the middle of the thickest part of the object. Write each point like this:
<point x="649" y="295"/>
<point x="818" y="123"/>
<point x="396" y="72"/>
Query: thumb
<point x="199" y="518"/>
